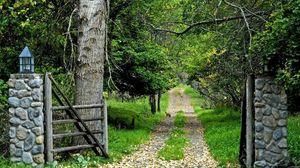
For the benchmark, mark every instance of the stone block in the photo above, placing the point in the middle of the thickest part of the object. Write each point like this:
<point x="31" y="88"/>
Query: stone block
<point x="14" y="102"/>
<point x="20" y="144"/>
<point x="282" y="122"/>
<point x="277" y="134"/>
<point x="12" y="132"/>
<point x="39" y="139"/>
<point x="275" y="113"/>
<point x="28" y="124"/>
<point x="259" y="126"/>
<point x="25" y="102"/>
<point x="35" y="83"/>
<point x="283" y="114"/>
<point x="21" y="85"/>
<point x="29" y="142"/>
<point x="259" y="144"/>
<point x="12" y="93"/>
<point x="259" y="154"/>
<point x="39" y="159"/>
<point x="284" y="131"/>
<point x="267" y="110"/>
<point x="15" y="121"/>
<point x="259" y="83"/>
<point x="37" y="149"/>
<point x="273" y="157"/>
<point x="283" y="143"/>
<point x="23" y="93"/>
<point x="22" y="133"/>
<point x="21" y="113"/>
<point x="269" y="121"/>
<point x="38" y="121"/>
<point x="37" y="131"/>
<point x="273" y="147"/>
<point x="258" y="114"/>
<point x="11" y="83"/>
<point x="275" y="89"/>
<point x="260" y="164"/>
<point x="37" y="95"/>
<point x="268" y="134"/>
<point x="36" y="104"/>
<point x="27" y="157"/>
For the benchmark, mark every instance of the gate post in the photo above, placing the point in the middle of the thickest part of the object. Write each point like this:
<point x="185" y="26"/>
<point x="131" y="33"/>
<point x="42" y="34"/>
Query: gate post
<point x="270" y="124"/>
<point x="26" y="118"/>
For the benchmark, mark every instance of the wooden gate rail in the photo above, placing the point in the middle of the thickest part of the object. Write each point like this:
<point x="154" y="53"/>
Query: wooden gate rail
<point x="79" y="123"/>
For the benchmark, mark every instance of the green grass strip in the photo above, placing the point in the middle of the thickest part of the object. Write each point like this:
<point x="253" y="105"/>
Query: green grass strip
<point x="294" y="139"/>
<point x="222" y="130"/>
<point x="174" y="146"/>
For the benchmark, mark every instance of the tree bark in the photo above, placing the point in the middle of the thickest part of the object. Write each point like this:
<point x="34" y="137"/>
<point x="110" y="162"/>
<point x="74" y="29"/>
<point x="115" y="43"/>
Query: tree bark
<point x="90" y="62"/>
<point x="158" y="101"/>
<point x="152" y="101"/>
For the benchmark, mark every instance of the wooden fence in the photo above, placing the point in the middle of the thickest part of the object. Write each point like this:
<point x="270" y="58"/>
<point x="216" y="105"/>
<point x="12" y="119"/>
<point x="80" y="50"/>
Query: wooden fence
<point x="100" y="148"/>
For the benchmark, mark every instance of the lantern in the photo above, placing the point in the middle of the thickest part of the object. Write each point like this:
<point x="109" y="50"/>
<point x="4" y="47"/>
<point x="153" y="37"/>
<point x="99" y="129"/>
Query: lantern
<point x="26" y="61"/>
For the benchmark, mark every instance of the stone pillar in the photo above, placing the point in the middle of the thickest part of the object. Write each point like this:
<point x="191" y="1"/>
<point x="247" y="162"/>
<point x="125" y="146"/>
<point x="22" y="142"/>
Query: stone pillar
<point x="270" y="124"/>
<point x="26" y="118"/>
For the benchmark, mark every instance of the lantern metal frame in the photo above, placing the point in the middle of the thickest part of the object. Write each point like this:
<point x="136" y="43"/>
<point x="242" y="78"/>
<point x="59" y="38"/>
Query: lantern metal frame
<point x="26" y="61"/>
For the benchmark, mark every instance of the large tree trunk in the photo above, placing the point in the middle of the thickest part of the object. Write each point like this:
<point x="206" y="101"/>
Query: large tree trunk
<point x="158" y="101"/>
<point x="152" y="101"/>
<point x="90" y="62"/>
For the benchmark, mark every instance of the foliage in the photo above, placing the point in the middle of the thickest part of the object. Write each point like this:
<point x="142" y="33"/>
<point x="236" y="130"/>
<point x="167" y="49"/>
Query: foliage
<point x="294" y="139"/>
<point x="4" y="124"/>
<point x="278" y="46"/>
<point x="222" y="131"/>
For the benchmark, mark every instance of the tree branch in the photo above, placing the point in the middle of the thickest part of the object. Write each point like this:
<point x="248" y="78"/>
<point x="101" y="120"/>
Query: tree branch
<point x="209" y="22"/>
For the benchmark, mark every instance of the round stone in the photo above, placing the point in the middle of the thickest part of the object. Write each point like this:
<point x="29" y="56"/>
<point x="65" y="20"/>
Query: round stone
<point x="25" y="102"/>
<point x="36" y="104"/>
<point x="37" y="95"/>
<point x="282" y="122"/>
<point x="14" y="102"/>
<point x="27" y="158"/>
<point x="39" y="159"/>
<point x="269" y="121"/>
<point x="15" y="121"/>
<point x="12" y="93"/>
<point x="259" y="83"/>
<point x="20" y="144"/>
<point x="283" y="143"/>
<point x="39" y="139"/>
<point x="259" y="126"/>
<point x="29" y="142"/>
<point x="28" y="124"/>
<point x="37" y="131"/>
<point x="23" y="93"/>
<point x="38" y="121"/>
<point x="20" y="85"/>
<point x="277" y="134"/>
<point x="37" y="149"/>
<point x="21" y="113"/>
<point x="35" y="83"/>
<point x="12" y="132"/>
<point x="283" y="114"/>
<point x="22" y="133"/>
<point x="11" y="83"/>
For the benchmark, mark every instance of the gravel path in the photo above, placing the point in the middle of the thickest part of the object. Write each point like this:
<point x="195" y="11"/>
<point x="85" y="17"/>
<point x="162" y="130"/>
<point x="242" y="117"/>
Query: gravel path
<point x="196" y="154"/>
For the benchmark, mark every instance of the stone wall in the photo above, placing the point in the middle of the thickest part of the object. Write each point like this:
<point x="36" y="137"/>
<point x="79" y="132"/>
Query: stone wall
<point x="26" y="118"/>
<point x="270" y="124"/>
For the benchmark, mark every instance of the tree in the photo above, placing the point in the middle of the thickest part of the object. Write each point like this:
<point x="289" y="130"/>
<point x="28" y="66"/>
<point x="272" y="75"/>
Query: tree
<point x="93" y="17"/>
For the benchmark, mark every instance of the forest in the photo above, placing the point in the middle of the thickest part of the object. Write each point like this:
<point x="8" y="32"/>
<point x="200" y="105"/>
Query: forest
<point x="142" y="49"/>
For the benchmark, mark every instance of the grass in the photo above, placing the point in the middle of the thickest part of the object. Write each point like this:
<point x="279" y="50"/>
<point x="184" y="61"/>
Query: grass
<point x="222" y="130"/>
<point x="294" y="139"/>
<point x="174" y="146"/>
<point x="121" y="141"/>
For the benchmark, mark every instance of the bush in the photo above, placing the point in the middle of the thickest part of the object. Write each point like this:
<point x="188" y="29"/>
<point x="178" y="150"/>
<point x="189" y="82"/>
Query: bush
<point x="4" y="124"/>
